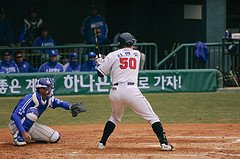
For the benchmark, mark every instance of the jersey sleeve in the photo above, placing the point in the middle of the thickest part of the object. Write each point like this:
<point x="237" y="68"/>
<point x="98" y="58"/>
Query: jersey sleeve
<point x="42" y="68"/>
<point x="105" y="67"/>
<point x="20" y="111"/>
<point x="60" y="103"/>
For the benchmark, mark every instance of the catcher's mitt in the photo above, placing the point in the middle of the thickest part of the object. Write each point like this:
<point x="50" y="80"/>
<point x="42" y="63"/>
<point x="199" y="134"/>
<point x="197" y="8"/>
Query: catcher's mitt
<point x="77" y="108"/>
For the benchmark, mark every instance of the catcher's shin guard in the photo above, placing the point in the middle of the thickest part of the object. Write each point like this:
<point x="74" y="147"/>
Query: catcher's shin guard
<point x="44" y="133"/>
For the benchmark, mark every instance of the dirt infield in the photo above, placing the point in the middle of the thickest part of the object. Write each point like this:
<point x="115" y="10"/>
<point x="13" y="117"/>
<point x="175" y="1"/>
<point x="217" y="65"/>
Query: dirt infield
<point x="132" y="141"/>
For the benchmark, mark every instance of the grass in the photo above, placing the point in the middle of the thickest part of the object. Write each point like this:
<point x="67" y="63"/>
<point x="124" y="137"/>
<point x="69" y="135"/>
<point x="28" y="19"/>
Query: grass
<point x="218" y="107"/>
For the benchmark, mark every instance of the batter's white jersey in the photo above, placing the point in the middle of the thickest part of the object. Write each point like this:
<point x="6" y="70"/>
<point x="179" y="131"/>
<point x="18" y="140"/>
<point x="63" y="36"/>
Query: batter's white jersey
<point x="122" y="65"/>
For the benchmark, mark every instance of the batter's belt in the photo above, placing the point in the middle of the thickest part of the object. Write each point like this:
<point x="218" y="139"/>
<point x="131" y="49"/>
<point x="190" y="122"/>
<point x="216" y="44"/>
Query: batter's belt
<point x="128" y="83"/>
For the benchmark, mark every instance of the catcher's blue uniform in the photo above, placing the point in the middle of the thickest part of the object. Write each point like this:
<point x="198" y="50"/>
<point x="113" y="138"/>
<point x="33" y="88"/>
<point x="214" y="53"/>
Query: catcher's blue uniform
<point x="29" y="109"/>
<point x="35" y="100"/>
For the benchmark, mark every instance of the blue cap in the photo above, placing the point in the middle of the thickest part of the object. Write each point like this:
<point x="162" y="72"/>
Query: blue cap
<point x="52" y="52"/>
<point x="91" y="54"/>
<point x="73" y="55"/>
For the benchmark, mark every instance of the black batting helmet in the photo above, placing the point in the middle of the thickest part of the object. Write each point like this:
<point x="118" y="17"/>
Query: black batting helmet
<point x="125" y="40"/>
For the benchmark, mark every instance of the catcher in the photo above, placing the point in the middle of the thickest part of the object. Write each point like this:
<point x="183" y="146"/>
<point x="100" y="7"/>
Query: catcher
<point x="23" y="125"/>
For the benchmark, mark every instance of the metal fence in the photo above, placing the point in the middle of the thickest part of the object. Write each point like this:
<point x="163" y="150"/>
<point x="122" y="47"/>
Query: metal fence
<point x="38" y="55"/>
<point x="183" y="58"/>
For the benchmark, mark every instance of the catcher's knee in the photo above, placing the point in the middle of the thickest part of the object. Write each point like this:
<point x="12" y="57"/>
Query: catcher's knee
<point x="55" y="137"/>
<point x="32" y="114"/>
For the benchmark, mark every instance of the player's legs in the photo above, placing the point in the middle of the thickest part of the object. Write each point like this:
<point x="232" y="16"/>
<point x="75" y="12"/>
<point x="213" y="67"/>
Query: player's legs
<point x="139" y="104"/>
<point x="116" y="116"/>
<point x="27" y="122"/>
<point x="44" y="133"/>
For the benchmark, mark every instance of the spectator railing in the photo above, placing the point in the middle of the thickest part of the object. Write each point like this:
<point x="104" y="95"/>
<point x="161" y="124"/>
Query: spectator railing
<point x="183" y="58"/>
<point x="37" y="55"/>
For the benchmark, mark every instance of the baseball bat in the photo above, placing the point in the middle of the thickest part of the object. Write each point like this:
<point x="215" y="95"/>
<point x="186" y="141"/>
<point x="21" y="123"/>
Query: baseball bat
<point x="96" y="41"/>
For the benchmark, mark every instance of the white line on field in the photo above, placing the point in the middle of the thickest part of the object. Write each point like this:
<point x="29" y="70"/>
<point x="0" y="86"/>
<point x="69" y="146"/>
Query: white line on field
<point x="228" y="154"/>
<point x="237" y="140"/>
<point x="3" y="142"/>
<point x="206" y="137"/>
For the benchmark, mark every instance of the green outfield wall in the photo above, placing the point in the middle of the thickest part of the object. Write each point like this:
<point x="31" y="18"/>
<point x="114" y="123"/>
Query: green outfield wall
<point x="74" y="83"/>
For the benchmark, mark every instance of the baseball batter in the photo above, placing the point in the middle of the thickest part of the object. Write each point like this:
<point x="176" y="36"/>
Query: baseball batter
<point x="123" y="66"/>
<point x="23" y="125"/>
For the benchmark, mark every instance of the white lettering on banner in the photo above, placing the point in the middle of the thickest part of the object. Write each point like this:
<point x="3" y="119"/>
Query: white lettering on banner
<point x="143" y="82"/>
<point x="3" y="86"/>
<point x="90" y="85"/>
<point x="68" y="81"/>
<point x="102" y="83"/>
<point x="31" y="84"/>
<point x="15" y="85"/>
<point x="173" y="81"/>
<point x="74" y="81"/>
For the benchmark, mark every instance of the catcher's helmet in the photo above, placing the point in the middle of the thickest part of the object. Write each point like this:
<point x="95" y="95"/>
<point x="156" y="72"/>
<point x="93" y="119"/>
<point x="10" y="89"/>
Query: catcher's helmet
<point x="42" y="83"/>
<point x="125" y="40"/>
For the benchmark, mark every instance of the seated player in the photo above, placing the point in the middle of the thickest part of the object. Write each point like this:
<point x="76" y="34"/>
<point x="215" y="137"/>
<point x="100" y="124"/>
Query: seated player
<point x="52" y="65"/>
<point x="2" y="70"/>
<point x="73" y="65"/>
<point x="8" y="64"/>
<point x="22" y="64"/>
<point x="90" y="64"/>
<point x="23" y="125"/>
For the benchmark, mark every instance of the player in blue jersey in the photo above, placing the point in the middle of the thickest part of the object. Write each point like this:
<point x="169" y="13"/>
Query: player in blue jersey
<point x="95" y="25"/>
<point x="44" y="40"/>
<point x="73" y="65"/>
<point x="23" y="125"/>
<point x="90" y="64"/>
<point x="8" y="64"/>
<point x="52" y="65"/>
<point x="2" y="70"/>
<point x="23" y="65"/>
